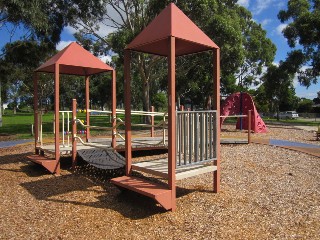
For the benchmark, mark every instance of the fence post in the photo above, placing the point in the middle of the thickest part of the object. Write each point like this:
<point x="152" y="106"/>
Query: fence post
<point x="152" y="121"/>
<point x="74" y="132"/>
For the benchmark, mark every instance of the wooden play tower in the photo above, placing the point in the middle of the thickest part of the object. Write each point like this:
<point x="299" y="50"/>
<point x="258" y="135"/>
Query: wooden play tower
<point x="72" y="60"/>
<point x="171" y="34"/>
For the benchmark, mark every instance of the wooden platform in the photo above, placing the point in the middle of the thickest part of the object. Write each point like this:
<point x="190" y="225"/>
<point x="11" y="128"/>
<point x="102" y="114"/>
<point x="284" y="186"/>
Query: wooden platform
<point x="138" y="143"/>
<point x="49" y="163"/>
<point x="159" y="168"/>
<point x="150" y="189"/>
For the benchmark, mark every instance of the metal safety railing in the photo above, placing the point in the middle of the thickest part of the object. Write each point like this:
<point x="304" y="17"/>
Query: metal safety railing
<point x="65" y="128"/>
<point x="196" y="137"/>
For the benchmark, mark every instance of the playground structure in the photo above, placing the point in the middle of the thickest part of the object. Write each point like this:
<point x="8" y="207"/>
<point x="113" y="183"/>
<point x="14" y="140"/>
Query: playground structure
<point x="167" y="36"/>
<point x="191" y="137"/>
<point x="238" y="105"/>
<point x="72" y="60"/>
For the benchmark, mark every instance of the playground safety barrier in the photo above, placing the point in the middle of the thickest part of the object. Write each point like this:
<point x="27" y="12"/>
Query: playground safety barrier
<point x="196" y="137"/>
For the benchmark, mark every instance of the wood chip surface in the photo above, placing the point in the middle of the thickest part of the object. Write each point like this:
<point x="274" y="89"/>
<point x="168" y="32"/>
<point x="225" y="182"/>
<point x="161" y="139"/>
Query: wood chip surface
<point x="266" y="193"/>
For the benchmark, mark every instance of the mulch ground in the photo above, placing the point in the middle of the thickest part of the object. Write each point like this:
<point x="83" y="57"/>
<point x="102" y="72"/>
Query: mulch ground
<point x="266" y="193"/>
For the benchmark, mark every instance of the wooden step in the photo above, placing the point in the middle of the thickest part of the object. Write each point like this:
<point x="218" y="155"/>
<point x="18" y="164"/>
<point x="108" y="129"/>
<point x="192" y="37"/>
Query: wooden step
<point x="147" y="188"/>
<point x="49" y="163"/>
<point x="159" y="168"/>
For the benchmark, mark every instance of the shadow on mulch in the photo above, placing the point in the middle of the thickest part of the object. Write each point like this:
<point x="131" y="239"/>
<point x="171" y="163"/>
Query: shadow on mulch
<point x="129" y="204"/>
<point x="85" y="177"/>
<point x="13" y="158"/>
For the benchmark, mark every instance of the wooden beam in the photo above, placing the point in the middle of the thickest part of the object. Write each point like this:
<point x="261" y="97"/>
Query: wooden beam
<point x="56" y="112"/>
<point x="35" y="109"/>
<point x="216" y="106"/>
<point x="87" y="83"/>
<point x="172" y="120"/>
<point x="114" y="106"/>
<point x="127" y="103"/>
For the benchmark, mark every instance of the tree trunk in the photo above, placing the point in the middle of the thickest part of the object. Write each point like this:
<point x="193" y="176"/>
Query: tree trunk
<point x="144" y="73"/>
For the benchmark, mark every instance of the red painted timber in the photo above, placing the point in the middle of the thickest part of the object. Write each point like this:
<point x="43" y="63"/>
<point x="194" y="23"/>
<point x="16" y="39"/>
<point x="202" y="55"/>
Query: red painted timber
<point x="50" y="164"/>
<point x="150" y="189"/>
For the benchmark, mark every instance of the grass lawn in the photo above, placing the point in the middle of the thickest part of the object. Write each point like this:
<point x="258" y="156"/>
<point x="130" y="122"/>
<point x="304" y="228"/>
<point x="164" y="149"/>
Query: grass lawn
<point x="19" y="125"/>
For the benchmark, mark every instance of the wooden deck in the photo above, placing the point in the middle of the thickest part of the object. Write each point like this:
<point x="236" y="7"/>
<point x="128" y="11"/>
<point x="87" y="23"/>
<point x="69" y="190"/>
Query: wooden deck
<point x="139" y="143"/>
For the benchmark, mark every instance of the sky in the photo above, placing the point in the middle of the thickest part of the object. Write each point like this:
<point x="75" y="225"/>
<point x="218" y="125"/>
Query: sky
<point x="263" y="11"/>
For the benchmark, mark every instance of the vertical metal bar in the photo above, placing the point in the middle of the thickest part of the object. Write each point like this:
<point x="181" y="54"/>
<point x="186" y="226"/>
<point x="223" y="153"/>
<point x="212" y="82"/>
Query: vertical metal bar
<point x="196" y="137"/>
<point x="172" y="120"/>
<point x="40" y="128"/>
<point x="185" y="137"/>
<point x="214" y="135"/>
<point x="62" y="113"/>
<point x="206" y="135"/>
<point x="74" y="132"/>
<point x="152" y="121"/>
<point x="191" y="136"/>
<point x="178" y="141"/>
<point x="127" y="102"/>
<point x="68" y="128"/>
<point x="201" y="136"/>
<point x="164" y="129"/>
<point x="181" y="136"/>
<point x="210" y="135"/>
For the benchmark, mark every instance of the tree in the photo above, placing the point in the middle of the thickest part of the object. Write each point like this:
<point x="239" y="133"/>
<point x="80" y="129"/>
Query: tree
<point x="17" y="66"/>
<point x="302" y="32"/>
<point x="43" y="22"/>
<point x="305" y="106"/>
<point x="279" y="90"/>
<point x="244" y="46"/>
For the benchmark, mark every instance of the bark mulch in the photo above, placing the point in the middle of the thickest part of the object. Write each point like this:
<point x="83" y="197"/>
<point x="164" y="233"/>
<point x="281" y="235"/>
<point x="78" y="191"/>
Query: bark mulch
<point x="266" y="193"/>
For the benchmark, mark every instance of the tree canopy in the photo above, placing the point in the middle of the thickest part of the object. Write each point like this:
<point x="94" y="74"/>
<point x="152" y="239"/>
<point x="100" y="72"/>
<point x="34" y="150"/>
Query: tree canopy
<point x="302" y="33"/>
<point x="245" y="49"/>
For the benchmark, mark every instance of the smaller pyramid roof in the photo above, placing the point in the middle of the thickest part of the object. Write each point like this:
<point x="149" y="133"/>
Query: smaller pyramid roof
<point x="75" y="60"/>
<point x="171" y="22"/>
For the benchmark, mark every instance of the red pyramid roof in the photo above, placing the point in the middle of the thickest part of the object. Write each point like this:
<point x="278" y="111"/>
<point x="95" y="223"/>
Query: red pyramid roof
<point x="171" y="22"/>
<point x="75" y="60"/>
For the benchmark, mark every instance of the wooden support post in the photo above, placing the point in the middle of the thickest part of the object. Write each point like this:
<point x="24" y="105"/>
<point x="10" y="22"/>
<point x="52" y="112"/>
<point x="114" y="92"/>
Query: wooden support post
<point x="249" y="126"/>
<point x="87" y="83"/>
<point x="216" y="106"/>
<point x="114" y="109"/>
<point x="127" y="102"/>
<point x="152" y="121"/>
<point x="35" y="109"/>
<point x="56" y="112"/>
<point x="74" y="133"/>
<point x="172" y="120"/>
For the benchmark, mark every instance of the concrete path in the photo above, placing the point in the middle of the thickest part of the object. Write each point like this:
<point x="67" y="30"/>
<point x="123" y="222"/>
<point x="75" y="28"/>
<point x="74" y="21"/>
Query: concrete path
<point x="6" y="144"/>
<point x="310" y="149"/>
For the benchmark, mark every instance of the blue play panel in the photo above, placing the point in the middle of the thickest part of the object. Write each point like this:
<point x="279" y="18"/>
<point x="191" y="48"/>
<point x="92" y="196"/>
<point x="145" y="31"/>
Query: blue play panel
<point x="284" y="143"/>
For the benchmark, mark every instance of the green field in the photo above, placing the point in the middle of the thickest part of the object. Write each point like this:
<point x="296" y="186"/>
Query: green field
<point x="19" y="125"/>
